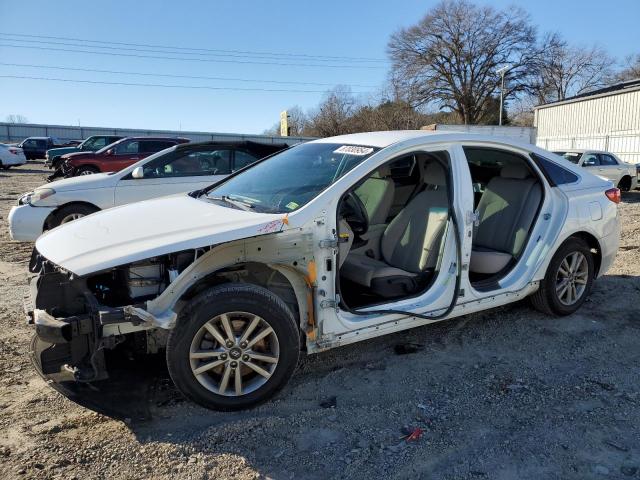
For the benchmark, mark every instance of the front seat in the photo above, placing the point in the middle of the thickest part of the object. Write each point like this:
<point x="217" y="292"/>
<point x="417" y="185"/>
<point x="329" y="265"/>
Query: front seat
<point x="376" y="193"/>
<point x="409" y="245"/>
<point x="506" y="212"/>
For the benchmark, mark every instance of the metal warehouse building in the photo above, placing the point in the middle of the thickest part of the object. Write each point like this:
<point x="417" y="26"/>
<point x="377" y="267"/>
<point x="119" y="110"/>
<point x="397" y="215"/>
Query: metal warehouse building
<point x="605" y="119"/>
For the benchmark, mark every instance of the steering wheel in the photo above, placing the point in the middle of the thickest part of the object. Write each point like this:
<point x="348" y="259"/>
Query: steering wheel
<point x="355" y="213"/>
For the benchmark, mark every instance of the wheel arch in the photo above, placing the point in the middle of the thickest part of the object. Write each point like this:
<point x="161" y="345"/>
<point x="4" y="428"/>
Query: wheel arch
<point x="283" y="262"/>
<point x="47" y="222"/>
<point x="593" y="243"/>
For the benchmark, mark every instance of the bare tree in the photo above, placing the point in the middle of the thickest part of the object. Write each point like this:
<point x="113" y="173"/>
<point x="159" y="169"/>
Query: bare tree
<point x="564" y="71"/>
<point x="631" y="69"/>
<point x="13" y="118"/>
<point x="450" y="58"/>
<point x="333" y="115"/>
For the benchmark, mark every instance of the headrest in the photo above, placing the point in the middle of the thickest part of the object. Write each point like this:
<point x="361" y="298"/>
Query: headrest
<point x="382" y="172"/>
<point x="434" y="174"/>
<point x="514" y="170"/>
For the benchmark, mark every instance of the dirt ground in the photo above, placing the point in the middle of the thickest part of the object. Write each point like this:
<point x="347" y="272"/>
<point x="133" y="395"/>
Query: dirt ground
<point x="504" y="394"/>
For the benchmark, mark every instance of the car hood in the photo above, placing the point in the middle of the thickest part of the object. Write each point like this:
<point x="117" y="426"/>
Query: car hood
<point x="83" y="182"/>
<point x="78" y="155"/>
<point x="147" y="229"/>
<point x="62" y="150"/>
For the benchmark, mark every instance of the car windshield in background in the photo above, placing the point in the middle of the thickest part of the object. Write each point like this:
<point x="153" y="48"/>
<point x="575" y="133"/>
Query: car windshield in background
<point x="573" y="157"/>
<point x="287" y="181"/>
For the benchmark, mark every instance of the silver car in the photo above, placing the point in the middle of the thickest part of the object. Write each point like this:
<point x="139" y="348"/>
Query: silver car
<point x="604" y="164"/>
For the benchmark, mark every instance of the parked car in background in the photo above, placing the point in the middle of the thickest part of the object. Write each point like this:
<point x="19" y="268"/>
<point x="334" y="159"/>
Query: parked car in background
<point x="11" y="156"/>
<point x="325" y="244"/>
<point x="182" y="168"/>
<point x="604" y="164"/>
<point x="91" y="144"/>
<point x="35" y="148"/>
<point x="116" y="156"/>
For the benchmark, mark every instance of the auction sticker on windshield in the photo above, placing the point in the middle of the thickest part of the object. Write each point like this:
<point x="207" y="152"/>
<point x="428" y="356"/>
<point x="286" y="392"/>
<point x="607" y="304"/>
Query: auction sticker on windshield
<point x="354" y="150"/>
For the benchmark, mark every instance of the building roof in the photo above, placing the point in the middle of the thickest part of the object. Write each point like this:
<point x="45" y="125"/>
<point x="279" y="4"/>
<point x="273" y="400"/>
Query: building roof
<point x="615" y="89"/>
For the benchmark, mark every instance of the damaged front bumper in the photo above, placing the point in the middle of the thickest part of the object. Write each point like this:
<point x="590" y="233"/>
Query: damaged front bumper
<point x="72" y="330"/>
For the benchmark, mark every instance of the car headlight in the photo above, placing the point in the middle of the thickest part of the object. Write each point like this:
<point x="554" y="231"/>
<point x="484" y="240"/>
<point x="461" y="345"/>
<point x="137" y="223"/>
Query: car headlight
<point x="40" y="194"/>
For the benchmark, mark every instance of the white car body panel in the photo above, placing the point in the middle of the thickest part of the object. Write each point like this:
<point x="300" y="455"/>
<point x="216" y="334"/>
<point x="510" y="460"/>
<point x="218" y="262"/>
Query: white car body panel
<point x="11" y="159"/>
<point x="139" y="231"/>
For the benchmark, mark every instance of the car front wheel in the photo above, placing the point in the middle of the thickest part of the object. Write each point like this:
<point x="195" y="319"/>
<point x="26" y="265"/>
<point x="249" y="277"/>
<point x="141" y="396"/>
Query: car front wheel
<point x="70" y="213"/>
<point x="234" y="346"/>
<point x="87" y="170"/>
<point x="568" y="280"/>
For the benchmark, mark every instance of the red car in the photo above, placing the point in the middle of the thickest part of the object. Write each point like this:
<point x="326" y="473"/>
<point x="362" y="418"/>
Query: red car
<point x="116" y="156"/>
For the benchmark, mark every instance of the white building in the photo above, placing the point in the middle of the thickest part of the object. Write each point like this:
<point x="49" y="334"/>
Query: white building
<point x="606" y="119"/>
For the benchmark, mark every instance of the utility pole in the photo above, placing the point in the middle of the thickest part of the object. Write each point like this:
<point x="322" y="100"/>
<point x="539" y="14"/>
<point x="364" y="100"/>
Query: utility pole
<point x="502" y="72"/>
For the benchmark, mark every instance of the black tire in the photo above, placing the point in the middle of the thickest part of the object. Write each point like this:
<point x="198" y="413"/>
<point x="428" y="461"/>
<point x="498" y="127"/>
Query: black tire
<point x="61" y="215"/>
<point x="222" y="299"/>
<point x="546" y="299"/>
<point x="86" y="170"/>
<point x="625" y="183"/>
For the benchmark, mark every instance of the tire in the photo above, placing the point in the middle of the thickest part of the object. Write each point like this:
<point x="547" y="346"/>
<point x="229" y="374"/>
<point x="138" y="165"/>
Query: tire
<point x="625" y="183"/>
<point x="550" y="297"/>
<point x="71" y="212"/>
<point x="241" y="304"/>
<point x="86" y="170"/>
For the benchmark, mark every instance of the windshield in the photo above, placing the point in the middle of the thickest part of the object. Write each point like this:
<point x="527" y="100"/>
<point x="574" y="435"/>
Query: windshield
<point x="288" y="180"/>
<point x="573" y="157"/>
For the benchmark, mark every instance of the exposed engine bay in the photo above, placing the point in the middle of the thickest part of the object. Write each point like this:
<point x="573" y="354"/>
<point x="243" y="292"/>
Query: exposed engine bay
<point x="93" y="311"/>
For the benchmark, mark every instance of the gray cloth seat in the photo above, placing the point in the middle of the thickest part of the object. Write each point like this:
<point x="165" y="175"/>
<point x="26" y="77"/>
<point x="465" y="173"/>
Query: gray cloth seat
<point x="409" y="245"/>
<point x="377" y="193"/>
<point x="506" y="212"/>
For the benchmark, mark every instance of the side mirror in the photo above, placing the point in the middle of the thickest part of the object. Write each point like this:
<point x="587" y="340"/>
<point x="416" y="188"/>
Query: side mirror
<point x="138" y="172"/>
<point x="109" y="152"/>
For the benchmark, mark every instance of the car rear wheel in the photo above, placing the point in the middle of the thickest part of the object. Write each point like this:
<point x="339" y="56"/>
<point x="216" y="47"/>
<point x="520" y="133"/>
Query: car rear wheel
<point x="568" y="280"/>
<point x="70" y="213"/>
<point x="234" y="346"/>
<point x="625" y="183"/>
<point x="87" y="170"/>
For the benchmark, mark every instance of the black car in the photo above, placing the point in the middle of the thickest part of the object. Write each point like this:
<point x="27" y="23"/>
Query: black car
<point x="36" y="147"/>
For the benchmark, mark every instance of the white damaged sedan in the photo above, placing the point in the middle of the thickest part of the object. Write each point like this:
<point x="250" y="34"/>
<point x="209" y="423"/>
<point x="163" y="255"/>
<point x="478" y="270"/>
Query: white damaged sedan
<point x="328" y="243"/>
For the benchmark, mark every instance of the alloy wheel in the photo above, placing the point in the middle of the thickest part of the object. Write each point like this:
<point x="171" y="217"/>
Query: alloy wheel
<point x="572" y="278"/>
<point x="234" y="353"/>
<point x="71" y="217"/>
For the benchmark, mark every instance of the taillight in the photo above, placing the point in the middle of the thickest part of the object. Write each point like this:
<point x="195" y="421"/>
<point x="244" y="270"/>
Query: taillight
<point x="613" y="194"/>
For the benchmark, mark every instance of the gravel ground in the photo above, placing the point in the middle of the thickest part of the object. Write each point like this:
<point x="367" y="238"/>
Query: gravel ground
<point x="504" y="394"/>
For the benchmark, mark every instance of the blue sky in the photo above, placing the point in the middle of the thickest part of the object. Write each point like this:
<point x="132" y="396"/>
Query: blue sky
<point x="330" y="28"/>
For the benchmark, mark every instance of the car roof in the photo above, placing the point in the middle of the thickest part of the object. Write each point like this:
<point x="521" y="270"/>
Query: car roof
<point x="233" y="143"/>
<point x="154" y="138"/>
<point x="387" y="138"/>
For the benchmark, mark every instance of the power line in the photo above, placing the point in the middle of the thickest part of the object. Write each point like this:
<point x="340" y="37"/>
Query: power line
<point x="155" y="50"/>
<point x="129" y="84"/>
<point x="196" y="77"/>
<point x="188" y="59"/>
<point x="200" y="49"/>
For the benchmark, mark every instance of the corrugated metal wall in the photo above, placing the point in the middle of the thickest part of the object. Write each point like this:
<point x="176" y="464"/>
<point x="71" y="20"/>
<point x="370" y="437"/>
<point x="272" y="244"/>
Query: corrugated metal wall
<point x="16" y="132"/>
<point x="610" y="122"/>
